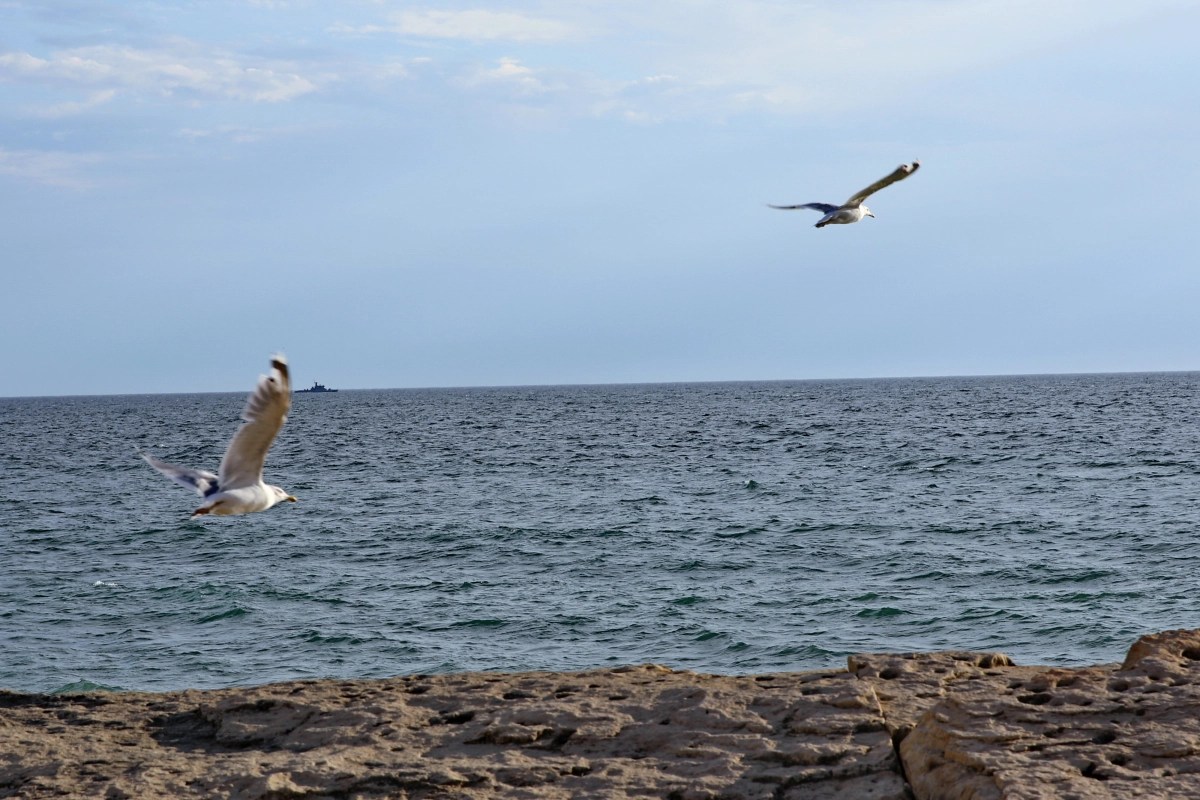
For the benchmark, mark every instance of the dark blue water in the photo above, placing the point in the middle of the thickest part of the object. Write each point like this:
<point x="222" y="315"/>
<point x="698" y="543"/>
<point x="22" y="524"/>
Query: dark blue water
<point x="733" y="527"/>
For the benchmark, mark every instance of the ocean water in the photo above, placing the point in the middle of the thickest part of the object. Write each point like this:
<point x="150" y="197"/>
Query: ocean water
<point x="728" y="527"/>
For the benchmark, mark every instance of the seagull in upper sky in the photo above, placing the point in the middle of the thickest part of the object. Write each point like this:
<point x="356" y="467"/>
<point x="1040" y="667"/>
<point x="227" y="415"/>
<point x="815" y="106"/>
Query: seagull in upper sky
<point x="853" y="209"/>
<point x="239" y="488"/>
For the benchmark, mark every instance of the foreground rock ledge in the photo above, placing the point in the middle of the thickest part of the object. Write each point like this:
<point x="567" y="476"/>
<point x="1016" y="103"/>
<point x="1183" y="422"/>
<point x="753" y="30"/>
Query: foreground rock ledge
<point x="959" y="725"/>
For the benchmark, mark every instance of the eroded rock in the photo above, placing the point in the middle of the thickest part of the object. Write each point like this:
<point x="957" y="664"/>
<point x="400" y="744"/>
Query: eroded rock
<point x="908" y="684"/>
<point x="968" y="726"/>
<point x="636" y="731"/>
<point x="1094" y="732"/>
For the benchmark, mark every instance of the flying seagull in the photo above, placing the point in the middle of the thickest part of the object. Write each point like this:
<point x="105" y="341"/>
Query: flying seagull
<point x="239" y="488"/>
<point x="853" y="209"/>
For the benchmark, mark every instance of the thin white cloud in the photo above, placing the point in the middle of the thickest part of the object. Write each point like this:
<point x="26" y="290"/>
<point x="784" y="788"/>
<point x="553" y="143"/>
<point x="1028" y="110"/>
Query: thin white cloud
<point x="546" y="91"/>
<point x="48" y="167"/>
<point x="476" y="25"/>
<point x="704" y="58"/>
<point x="343" y="28"/>
<point x="237" y="133"/>
<point x="393" y="70"/>
<point x="668" y="60"/>
<point x="510" y="72"/>
<point x="183" y="67"/>
<point x="14" y="66"/>
<point x="805" y="56"/>
<point x="76" y="107"/>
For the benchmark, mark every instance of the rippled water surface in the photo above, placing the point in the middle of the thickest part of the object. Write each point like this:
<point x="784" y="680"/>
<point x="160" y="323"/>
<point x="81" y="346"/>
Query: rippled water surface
<point x="735" y="527"/>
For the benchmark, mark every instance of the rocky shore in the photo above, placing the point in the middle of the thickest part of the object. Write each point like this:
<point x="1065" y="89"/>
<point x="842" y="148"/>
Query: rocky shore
<point x="934" y="726"/>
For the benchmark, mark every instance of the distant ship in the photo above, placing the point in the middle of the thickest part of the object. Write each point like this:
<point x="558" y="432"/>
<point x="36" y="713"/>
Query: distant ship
<point x="316" y="387"/>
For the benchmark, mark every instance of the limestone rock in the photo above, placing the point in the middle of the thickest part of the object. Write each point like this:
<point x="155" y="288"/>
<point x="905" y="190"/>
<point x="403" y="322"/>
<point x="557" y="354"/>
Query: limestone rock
<point x="1170" y="647"/>
<point x="907" y="684"/>
<point x="1093" y="732"/>
<point x="640" y="731"/>
<point x="968" y="726"/>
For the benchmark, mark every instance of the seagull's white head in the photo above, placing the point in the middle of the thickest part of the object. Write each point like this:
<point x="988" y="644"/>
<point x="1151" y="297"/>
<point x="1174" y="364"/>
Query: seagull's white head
<point x="280" y="495"/>
<point x="867" y="212"/>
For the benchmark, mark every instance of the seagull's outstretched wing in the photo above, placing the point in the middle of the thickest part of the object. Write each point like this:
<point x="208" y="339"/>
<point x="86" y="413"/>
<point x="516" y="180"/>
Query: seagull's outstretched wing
<point x="824" y="208"/>
<point x="203" y="483"/>
<point x="265" y="413"/>
<point x="900" y="173"/>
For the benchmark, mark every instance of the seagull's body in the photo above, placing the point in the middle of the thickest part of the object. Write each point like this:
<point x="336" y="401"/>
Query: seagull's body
<point x="853" y="209"/>
<point x="239" y="487"/>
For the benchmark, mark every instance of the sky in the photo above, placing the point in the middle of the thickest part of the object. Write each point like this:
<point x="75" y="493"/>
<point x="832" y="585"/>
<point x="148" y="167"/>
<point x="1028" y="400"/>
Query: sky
<point x="404" y="194"/>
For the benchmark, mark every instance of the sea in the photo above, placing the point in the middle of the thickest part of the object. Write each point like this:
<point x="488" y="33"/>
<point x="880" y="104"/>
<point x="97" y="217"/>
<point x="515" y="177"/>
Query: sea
<point x="720" y="527"/>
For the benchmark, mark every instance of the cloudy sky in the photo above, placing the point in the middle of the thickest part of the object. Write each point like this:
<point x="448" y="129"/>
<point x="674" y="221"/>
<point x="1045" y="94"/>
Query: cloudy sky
<point x="445" y="194"/>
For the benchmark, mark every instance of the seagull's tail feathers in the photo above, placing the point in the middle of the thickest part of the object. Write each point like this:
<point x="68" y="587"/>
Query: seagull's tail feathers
<point x="201" y="482"/>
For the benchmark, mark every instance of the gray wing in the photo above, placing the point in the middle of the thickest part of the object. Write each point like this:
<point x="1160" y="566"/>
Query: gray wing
<point x="824" y="208"/>
<point x="900" y="173"/>
<point x="203" y="483"/>
<point x="266" y="411"/>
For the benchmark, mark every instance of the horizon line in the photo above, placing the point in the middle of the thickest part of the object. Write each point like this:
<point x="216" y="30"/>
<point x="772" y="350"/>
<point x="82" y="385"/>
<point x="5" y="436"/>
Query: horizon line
<point x="629" y="383"/>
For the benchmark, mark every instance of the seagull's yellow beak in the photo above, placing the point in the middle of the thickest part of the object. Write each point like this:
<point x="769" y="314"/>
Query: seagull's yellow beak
<point x="292" y="499"/>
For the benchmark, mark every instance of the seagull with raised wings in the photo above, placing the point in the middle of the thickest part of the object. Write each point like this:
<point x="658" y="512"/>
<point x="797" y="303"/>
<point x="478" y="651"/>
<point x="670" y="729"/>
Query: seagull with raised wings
<point x="853" y="209"/>
<point x="238" y="487"/>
